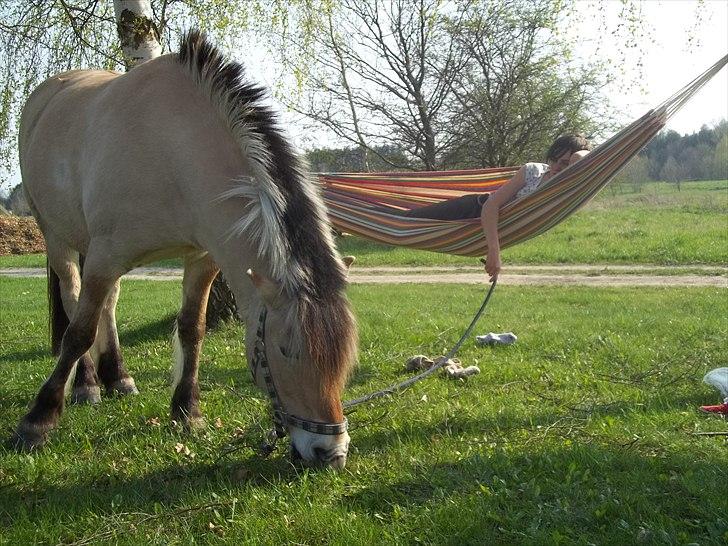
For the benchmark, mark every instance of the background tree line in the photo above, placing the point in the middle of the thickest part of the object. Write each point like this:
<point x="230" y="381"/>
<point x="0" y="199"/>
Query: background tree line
<point x="673" y="158"/>
<point x="669" y="157"/>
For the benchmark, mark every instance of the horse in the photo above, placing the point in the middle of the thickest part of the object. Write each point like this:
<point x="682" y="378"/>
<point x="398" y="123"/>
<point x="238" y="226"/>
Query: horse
<point x="181" y="156"/>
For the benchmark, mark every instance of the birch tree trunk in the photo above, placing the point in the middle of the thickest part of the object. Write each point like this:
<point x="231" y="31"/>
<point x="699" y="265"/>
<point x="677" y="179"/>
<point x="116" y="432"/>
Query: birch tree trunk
<point x="137" y="31"/>
<point x="140" y="42"/>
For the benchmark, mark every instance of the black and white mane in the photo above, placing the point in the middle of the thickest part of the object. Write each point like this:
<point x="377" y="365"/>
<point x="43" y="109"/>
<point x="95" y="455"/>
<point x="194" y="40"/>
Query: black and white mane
<point x="286" y="214"/>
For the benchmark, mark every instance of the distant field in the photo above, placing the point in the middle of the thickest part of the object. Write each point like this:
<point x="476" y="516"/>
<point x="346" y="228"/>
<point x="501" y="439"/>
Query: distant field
<point x="659" y="225"/>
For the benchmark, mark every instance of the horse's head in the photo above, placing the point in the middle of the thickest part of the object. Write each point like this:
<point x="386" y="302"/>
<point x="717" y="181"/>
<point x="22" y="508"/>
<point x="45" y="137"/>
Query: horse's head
<point x="309" y="347"/>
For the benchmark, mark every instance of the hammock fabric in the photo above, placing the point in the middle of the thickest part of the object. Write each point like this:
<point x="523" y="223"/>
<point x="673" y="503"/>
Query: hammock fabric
<point x="371" y="204"/>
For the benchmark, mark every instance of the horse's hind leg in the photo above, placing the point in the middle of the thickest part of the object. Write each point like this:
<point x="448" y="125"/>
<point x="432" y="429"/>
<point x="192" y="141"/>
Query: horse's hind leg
<point x="189" y="331"/>
<point x="98" y="280"/>
<point x="106" y="352"/>
<point x="63" y="263"/>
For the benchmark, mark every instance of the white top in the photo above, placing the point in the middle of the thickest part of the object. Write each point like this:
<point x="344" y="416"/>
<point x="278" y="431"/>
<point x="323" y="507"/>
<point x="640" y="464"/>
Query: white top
<point x="534" y="177"/>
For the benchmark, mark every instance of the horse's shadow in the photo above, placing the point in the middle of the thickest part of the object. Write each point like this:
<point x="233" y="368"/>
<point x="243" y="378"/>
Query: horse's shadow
<point x="128" y="337"/>
<point x="142" y="493"/>
<point x="30" y="354"/>
<point x="493" y="471"/>
<point x="160" y="328"/>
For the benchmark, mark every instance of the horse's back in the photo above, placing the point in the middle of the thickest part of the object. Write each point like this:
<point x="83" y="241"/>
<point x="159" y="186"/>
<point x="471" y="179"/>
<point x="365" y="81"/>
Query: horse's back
<point x="57" y="89"/>
<point x="102" y="152"/>
<point x="54" y="110"/>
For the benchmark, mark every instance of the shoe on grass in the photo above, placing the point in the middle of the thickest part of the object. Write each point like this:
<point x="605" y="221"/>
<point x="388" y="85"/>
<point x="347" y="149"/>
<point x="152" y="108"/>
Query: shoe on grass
<point x="720" y="409"/>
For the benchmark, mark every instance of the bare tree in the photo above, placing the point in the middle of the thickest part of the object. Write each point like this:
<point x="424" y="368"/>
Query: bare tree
<point x="382" y="75"/>
<point x="518" y="90"/>
<point x="451" y="84"/>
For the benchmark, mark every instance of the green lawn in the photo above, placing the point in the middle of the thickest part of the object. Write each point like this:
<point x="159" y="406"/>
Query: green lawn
<point x="582" y="432"/>
<point x="659" y="225"/>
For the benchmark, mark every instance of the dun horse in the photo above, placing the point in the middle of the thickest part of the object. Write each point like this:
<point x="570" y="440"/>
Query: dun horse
<point x="179" y="157"/>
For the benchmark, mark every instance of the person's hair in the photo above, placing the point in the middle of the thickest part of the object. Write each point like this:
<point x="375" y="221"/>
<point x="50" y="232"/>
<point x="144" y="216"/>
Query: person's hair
<point x="567" y="143"/>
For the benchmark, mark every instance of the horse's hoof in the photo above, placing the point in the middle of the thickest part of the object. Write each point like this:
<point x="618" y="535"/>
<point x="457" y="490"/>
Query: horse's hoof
<point x="195" y="423"/>
<point x="28" y="436"/>
<point x="86" y="394"/>
<point x="122" y="387"/>
<point x="188" y="422"/>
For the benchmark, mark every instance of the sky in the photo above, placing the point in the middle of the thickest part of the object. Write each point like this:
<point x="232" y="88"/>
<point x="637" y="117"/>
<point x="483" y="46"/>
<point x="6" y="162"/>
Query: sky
<point x="679" y="40"/>
<point x="669" y="58"/>
<point x="683" y="38"/>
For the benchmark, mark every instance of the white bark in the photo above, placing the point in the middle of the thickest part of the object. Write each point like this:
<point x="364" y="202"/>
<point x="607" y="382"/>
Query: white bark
<point x="137" y="31"/>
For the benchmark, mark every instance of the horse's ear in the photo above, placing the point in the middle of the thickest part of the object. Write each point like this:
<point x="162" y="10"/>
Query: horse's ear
<point x="269" y="290"/>
<point x="348" y="260"/>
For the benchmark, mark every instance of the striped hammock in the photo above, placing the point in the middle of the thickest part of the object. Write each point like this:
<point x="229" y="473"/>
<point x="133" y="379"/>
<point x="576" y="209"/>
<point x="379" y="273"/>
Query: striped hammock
<point x="370" y="204"/>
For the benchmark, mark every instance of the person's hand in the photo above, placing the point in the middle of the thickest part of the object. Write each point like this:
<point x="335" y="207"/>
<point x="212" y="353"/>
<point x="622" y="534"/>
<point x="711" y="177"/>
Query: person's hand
<point x="493" y="263"/>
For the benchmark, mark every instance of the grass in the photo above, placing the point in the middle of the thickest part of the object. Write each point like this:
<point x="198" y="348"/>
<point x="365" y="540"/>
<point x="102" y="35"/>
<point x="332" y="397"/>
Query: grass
<point x="580" y="433"/>
<point x="659" y="225"/>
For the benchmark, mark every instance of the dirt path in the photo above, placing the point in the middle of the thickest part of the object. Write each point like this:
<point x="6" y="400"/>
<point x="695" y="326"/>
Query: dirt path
<point x="561" y="275"/>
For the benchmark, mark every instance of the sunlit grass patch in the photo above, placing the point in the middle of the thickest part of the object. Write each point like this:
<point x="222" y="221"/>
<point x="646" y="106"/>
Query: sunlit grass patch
<point x="581" y="432"/>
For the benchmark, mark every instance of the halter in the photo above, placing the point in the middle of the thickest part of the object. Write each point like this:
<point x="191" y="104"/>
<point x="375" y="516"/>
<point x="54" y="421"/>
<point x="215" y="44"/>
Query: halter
<point x="280" y="417"/>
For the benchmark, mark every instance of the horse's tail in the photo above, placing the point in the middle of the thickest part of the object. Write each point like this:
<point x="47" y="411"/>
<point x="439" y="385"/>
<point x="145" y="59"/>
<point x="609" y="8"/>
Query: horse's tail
<point x="57" y="317"/>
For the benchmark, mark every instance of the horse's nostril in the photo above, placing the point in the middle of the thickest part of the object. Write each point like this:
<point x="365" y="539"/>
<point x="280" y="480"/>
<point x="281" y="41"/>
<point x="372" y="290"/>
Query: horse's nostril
<point x="319" y="453"/>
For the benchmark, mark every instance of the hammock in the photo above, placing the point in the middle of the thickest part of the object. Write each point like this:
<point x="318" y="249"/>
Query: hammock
<point x="370" y="204"/>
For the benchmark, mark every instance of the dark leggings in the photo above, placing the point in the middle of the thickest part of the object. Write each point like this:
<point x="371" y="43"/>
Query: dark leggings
<point x="460" y="208"/>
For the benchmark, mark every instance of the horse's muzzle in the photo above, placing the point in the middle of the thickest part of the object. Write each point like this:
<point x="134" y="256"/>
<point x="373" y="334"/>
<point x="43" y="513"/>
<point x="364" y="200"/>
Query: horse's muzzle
<point x="322" y="458"/>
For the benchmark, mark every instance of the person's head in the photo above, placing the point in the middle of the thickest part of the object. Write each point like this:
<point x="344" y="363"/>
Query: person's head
<point x="560" y="151"/>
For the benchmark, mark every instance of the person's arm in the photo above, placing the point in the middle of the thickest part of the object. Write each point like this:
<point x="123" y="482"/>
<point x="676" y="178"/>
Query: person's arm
<point x="489" y="219"/>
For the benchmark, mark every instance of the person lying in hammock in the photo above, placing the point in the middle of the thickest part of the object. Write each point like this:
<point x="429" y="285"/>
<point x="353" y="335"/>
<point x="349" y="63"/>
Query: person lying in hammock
<point x="565" y="150"/>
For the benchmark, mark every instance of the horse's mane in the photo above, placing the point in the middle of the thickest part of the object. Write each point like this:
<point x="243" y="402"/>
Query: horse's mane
<point x="286" y="214"/>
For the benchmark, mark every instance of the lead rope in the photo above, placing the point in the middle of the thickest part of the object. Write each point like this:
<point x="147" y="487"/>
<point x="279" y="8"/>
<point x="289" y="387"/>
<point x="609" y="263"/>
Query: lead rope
<point x="277" y="432"/>
<point x="432" y="369"/>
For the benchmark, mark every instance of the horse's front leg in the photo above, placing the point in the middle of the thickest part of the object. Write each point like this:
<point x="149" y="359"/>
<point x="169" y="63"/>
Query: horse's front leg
<point x="107" y="353"/>
<point x="78" y="338"/>
<point x="189" y="332"/>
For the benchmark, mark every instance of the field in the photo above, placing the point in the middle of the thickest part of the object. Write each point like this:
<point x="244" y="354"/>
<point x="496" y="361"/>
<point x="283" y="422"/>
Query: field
<point x="658" y="225"/>
<point x="584" y="431"/>
<point x="581" y="432"/>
